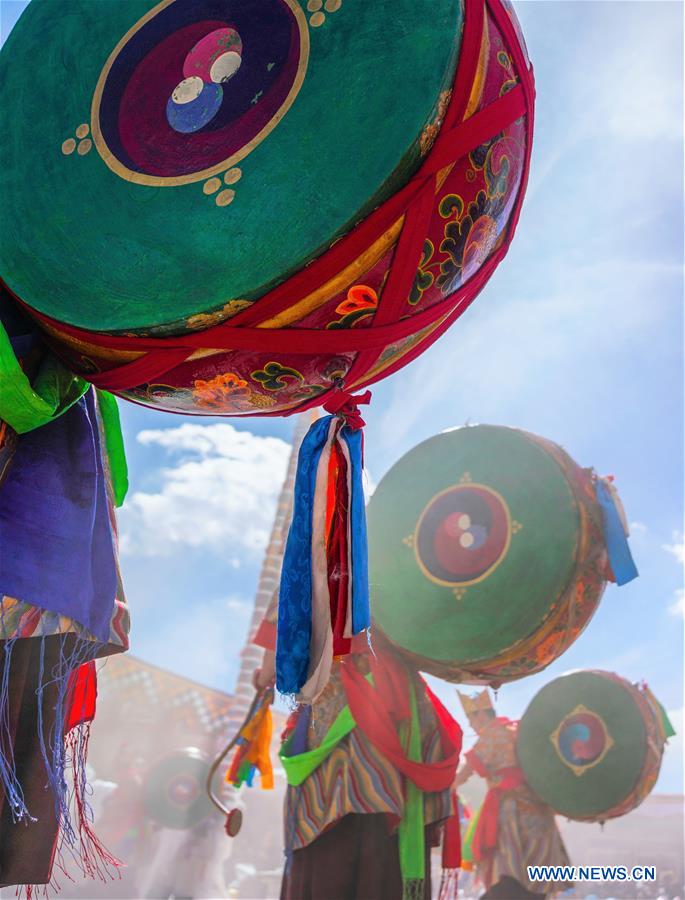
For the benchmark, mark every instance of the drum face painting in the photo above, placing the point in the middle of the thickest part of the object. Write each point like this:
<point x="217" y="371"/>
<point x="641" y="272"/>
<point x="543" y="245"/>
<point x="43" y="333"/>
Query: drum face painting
<point x="590" y="745"/>
<point x="174" y="792"/>
<point x="202" y="161"/>
<point x="486" y="554"/>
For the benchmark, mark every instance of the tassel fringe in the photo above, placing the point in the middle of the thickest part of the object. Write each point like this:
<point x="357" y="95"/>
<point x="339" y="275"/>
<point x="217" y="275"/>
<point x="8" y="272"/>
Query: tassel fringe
<point x="449" y="885"/>
<point x="413" y="889"/>
<point x="64" y="752"/>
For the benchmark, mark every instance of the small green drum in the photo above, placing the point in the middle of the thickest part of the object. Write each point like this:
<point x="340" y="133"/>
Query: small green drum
<point x="590" y="745"/>
<point x="487" y="555"/>
<point x="174" y="792"/>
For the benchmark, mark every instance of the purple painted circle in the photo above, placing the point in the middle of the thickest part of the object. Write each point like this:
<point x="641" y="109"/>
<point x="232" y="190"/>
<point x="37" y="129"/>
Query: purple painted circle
<point x="150" y="134"/>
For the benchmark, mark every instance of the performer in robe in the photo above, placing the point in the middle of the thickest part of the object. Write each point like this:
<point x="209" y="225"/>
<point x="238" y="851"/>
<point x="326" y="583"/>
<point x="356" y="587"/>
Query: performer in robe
<point x="370" y="765"/>
<point x="514" y="829"/>
<point x="61" y="601"/>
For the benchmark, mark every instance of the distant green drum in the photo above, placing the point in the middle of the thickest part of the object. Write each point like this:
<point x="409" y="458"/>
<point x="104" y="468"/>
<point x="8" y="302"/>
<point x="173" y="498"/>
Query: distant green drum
<point x="590" y="745"/>
<point x="487" y="556"/>
<point x="174" y="792"/>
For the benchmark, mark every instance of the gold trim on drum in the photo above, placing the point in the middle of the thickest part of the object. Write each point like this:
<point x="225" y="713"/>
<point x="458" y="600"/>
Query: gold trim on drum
<point x="590" y="556"/>
<point x="402" y="351"/>
<point x="608" y="740"/>
<point x="502" y="555"/>
<point x="339" y="282"/>
<point x="160" y="181"/>
<point x="481" y="71"/>
<point x="110" y="354"/>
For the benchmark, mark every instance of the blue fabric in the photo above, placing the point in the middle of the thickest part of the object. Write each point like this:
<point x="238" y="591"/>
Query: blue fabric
<point x="620" y="558"/>
<point x="56" y="542"/>
<point x="361" y="613"/>
<point x="295" y="595"/>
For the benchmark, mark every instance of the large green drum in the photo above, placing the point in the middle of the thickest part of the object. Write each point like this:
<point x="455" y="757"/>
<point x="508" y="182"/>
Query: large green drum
<point x="590" y="745"/>
<point x="487" y="555"/>
<point x="204" y="200"/>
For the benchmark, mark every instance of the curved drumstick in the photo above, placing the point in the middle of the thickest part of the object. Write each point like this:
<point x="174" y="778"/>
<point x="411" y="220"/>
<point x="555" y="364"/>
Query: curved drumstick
<point x="234" y="817"/>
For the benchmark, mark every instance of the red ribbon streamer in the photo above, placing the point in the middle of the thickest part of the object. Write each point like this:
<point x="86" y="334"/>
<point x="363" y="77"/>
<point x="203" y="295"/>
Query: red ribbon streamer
<point x="510" y="778"/>
<point x="82" y="692"/>
<point x="378" y="708"/>
<point x="342" y="403"/>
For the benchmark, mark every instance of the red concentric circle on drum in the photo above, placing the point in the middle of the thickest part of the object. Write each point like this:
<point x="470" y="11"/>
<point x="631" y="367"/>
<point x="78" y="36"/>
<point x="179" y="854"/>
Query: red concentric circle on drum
<point x="582" y="739"/>
<point x="183" y="790"/>
<point x="462" y="535"/>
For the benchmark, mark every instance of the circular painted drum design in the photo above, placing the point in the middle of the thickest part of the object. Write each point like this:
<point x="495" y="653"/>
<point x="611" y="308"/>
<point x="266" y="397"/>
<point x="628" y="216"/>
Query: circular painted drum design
<point x="590" y="745"/>
<point x="204" y="201"/>
<point x="487" y="556"/>
<point x="174" y="792"/>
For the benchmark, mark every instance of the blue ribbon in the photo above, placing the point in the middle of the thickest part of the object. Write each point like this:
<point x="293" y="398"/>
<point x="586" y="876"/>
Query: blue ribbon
<point x="361" y="612"/>
<point x="295" y="595"/>
<point x="620" y="558"/>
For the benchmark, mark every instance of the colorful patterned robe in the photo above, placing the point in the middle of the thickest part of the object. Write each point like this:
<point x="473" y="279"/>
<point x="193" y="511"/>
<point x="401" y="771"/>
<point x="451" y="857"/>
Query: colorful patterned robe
<point x="527" y="834"/>
<point x="355" y="778"/>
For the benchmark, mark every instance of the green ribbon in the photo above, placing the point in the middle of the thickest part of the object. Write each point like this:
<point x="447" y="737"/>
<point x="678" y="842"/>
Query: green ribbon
<point x="411" y="830"/>
<point x="669" y="730"/>
<point x="114" y="445"/>
<point x="467" y="842"/>
<point x="300" y="767"/>
<point x="25" y="406"/>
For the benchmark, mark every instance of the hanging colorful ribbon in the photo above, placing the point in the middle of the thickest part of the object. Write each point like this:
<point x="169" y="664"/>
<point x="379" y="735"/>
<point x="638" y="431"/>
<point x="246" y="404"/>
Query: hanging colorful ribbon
<point x="324" y="592"/>
<point x="615" y="533"/>
<point x="94" y="858"/>
<point x="253" y="744"/>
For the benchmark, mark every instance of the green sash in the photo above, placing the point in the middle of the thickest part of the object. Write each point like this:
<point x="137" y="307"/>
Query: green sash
<point x="411" y="830"/>
<point x="114" y="445"/>
<point x="26" y="406"/>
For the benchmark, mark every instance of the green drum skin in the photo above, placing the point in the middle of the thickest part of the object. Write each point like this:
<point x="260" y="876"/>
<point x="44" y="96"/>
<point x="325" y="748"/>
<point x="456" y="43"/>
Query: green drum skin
<point x="174" y="793"/>
<point x="590" y="745"/>
<point x="477" y="538"/>
<point x="88" y="238"/>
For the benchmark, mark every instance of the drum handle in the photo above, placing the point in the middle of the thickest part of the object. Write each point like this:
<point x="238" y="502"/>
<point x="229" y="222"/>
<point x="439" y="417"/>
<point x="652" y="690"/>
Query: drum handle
<point x="264" y="693"/>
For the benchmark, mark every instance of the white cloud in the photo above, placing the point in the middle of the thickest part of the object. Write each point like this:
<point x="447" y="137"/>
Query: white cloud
<point x="219" y="494"/>
<point x="677" y="607"/>
<point x="638" y="527"/>
<point x="677" y="548"/>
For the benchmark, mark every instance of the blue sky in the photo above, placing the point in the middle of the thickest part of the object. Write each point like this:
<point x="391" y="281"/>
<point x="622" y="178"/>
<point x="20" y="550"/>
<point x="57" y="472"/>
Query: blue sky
<point x="578" y="337"/>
